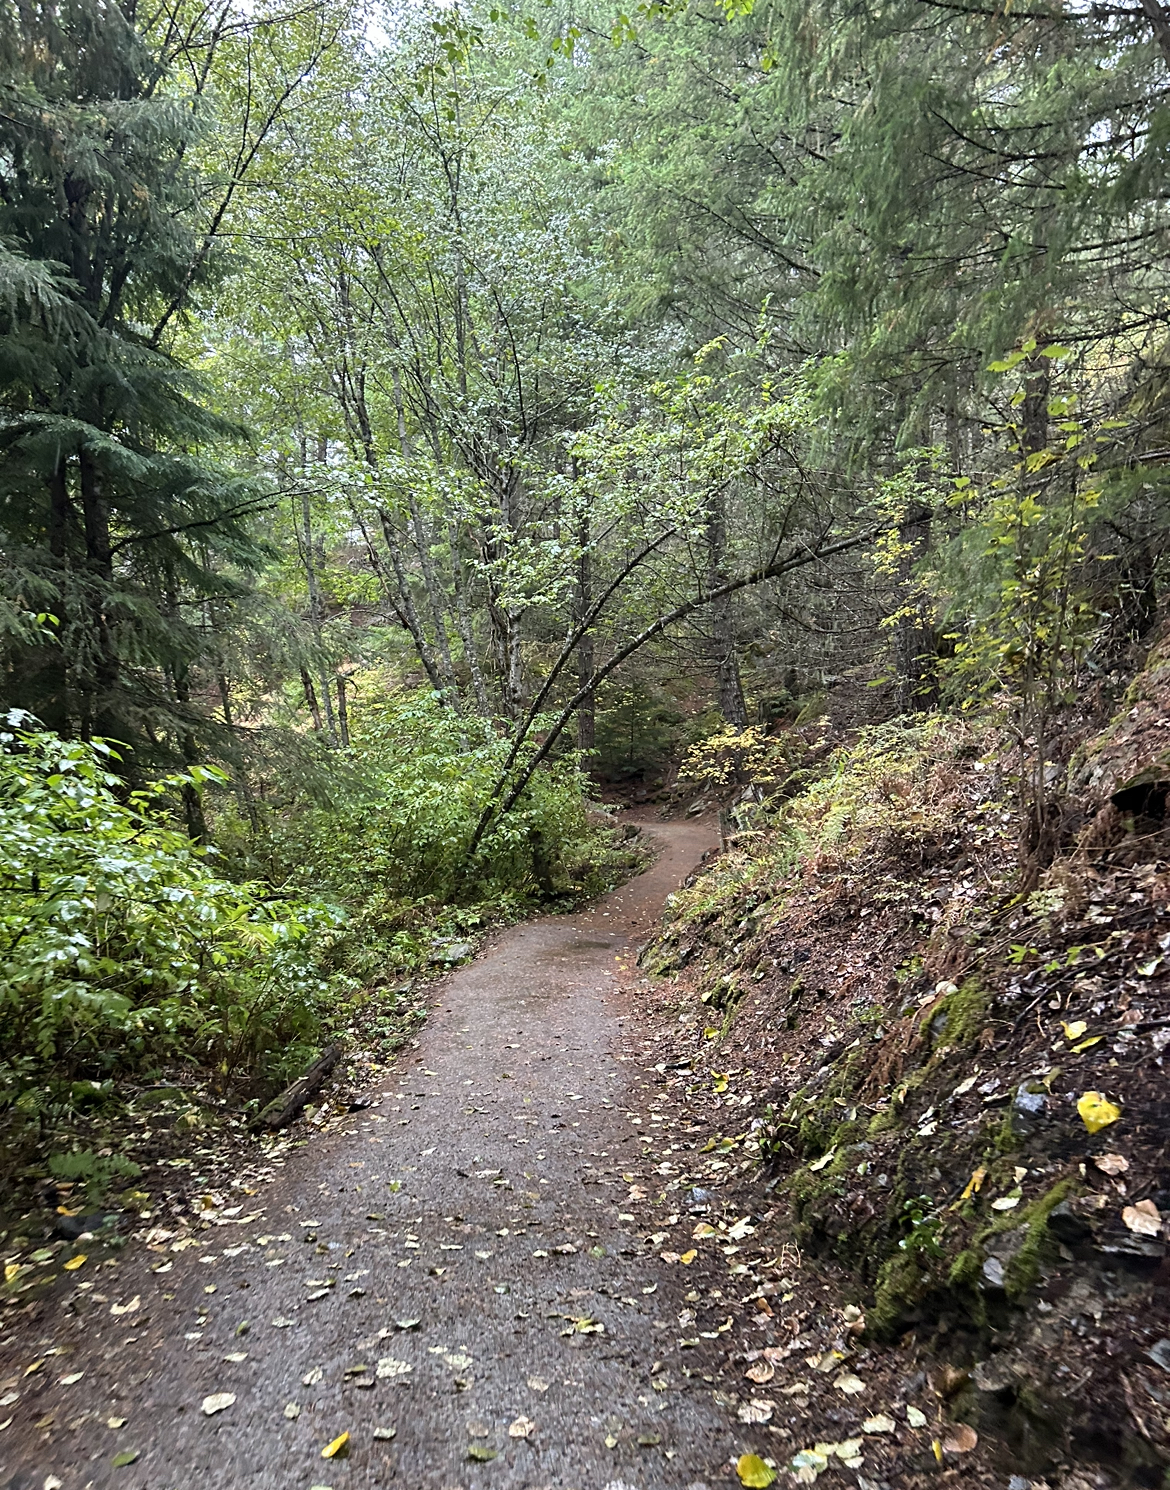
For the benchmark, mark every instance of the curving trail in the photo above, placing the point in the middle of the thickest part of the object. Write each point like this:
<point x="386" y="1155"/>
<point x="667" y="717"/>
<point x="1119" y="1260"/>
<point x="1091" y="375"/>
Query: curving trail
<point x="503" y="1140"/>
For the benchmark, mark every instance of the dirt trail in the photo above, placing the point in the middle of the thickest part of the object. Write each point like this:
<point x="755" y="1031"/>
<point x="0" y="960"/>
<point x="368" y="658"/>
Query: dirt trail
<point x="506" y="1134"/>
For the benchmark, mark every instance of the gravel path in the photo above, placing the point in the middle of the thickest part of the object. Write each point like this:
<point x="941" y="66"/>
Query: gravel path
<point x="453" y="1279"/>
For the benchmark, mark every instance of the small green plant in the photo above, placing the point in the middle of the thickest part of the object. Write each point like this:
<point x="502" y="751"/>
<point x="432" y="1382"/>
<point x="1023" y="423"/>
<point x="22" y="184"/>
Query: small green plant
<point x="925" y="1225"/>
<point x="96" y="1173"/>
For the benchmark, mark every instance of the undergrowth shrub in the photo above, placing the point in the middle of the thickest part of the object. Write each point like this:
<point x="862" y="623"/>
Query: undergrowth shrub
<point x="418" y="778"/>
<point x="122" y="946"/>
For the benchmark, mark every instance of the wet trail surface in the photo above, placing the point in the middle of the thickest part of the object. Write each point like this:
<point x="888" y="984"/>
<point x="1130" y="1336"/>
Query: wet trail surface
<point x="481" y="1197"/>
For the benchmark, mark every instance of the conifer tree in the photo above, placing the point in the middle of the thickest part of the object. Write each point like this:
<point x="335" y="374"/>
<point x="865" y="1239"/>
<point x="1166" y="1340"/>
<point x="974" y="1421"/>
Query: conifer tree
<point x="117" y="521"/>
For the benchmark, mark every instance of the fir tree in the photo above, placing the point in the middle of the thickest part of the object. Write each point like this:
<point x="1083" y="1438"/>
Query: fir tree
<point x="117" y="523"/>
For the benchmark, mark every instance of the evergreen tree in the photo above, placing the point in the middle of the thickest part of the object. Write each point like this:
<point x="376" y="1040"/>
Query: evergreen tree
<point x="117" y="524"/>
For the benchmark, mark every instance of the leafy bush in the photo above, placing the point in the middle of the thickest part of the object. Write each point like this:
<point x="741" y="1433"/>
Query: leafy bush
<point x="121" y="946"/>
<point x="420" y="777"/>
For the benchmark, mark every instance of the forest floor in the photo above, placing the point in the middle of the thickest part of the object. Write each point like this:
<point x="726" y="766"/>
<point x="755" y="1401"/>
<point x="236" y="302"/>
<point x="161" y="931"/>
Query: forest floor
<point x="535" y="1260"/>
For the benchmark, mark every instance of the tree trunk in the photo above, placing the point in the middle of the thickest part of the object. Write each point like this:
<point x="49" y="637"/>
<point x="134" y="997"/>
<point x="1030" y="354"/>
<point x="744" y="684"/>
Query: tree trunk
<point x="343" y="711"/>
<point x="463" y="621"/>
<point x="309" y="560"/>
<point x="731" y="699"/>
<point x="583" y="598"/>
<point x="100" y="716"/>
<point x="311" y="698"/>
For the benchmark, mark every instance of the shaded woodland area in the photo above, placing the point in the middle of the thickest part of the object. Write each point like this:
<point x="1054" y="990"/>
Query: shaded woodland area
<point x="422" y="429"/>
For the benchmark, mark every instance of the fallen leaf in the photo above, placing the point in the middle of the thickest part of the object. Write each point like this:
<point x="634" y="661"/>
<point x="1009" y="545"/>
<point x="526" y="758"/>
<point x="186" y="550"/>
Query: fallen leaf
<point x="1144" y="1218"/>
<point x="338" y="1449"/>
<point x="753" y="1472"/>
<point x="758" y="1410"/>
<point x="217" y="1402"/>
<point x="1097" y="1111"/>
<point x="760" y="1372"/>
<point x="960" y="1439"/>
<point x="538" y="1383"/>
<point x="127" y="1456"/>
<point x="237" y="1356"/>
<point x="291" y="1410"/>
<point x="115" y="1422"/>
<point x="67" y="1381"/>
<point x="522" y="1428"/>
<point x="280" y="1323"/>
<point x="823" y="1161"/>
<point x="388" y="1366"/>
<point x="74" y="1263"/>
<point x="964" y="1086"/>
<point x="130" y="1308"/>
<point x="916" y="1417"/>
<point x="1075" y="1030"/>
<point x="849" y="1384"/>
<point x="703" y="1229"/>
<point x="385" y="1433"/>
<point x="311" y="1378"/>
<point x="807" y="1465"/>
<point x="878" y="1424"/>
<point x="688" y="1257"/>
<point x="1087" y="1044"/>
<point x="1005" y="1203"/>
<point x="481" y="1452"/>
<point x="407" y="1324"/>
<point x="974" y="1184"/>
<point x="1112" y="1163"/>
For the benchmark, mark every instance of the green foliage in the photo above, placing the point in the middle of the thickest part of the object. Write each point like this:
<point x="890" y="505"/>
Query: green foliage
<point x="120" y="944"/>
<point x="418" y="774"/>
<point x="921" y="1215"/>
<point x="636" y="733"/>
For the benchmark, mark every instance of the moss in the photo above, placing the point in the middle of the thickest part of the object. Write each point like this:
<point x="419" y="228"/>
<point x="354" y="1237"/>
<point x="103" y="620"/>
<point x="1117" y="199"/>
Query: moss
<point x="965" y="1011"/>
<point x="846" y="1133"/>
<point x="901" y="1283"/>
<point x="1003" y="1137"/>
<point x="812" y="1135"/>
<point x="884" y="1122"/>
<point x="1023" y="1270"/>
<point x="966" y="1269"/>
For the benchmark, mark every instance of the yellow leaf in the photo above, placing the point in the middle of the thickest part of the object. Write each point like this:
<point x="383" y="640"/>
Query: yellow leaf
<point x="1087" y="1044"/>
<point x="974" y="1184"/>
<point x="719" y="1081"/>
<point x="74" y="1263"/>
<point x="1097" y="1111"/>
<point x="753" y="1472"/>
<point x="11" y="1269"/>
<point x="1075" y="1030"/>
<point x="824" y="1160"/>
<point x="688" y="1257"/>
<point x="710" y="1033"/>
<point x="338" y="1448"/>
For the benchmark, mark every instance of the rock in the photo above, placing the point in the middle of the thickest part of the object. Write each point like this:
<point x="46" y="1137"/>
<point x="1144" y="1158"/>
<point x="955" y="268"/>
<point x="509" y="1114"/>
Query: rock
<point x="697" y="807"/>
<point x="1160" y="1354"/>
<point x="1144" y="795"/>
<point x="698" y="1199"/>
<point x="72" y="1227"/>
<point x="994" y="1375"/>
<point x="1068" y="1225"/>
<point x="993" y="1272"/>
<point x="452" y="952"/>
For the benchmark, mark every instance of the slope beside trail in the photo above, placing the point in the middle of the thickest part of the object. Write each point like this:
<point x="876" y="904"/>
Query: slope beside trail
<point x="458" y="1262"/>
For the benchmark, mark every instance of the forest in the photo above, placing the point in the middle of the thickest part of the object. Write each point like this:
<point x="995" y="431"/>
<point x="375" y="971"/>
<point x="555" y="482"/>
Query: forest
<point x="429" y="432"/>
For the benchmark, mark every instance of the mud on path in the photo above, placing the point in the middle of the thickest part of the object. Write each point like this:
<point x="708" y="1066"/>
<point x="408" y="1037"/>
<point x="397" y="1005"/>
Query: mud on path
<point x="481" y="1197"/>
